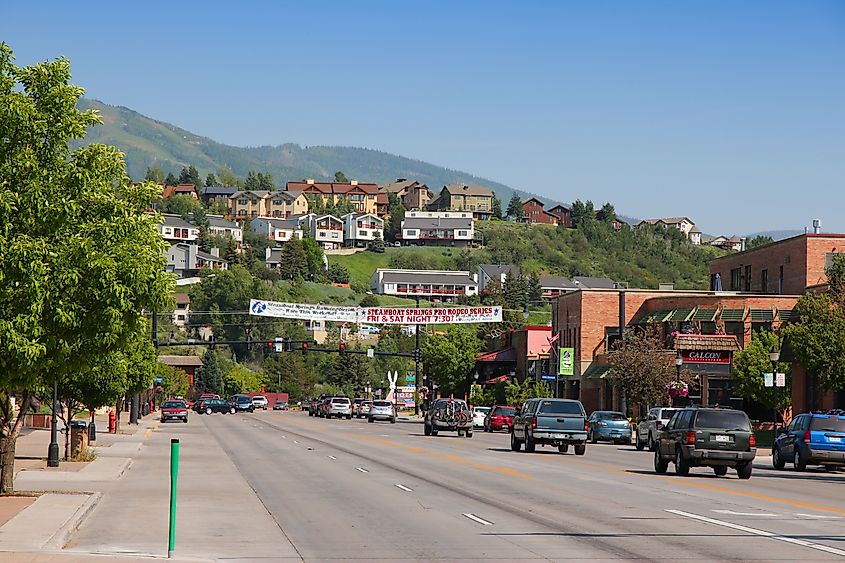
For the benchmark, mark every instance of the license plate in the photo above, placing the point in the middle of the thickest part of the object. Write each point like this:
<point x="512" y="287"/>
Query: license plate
<point x="835" y="440"/>
<point x="562" y="436"/>
<point x="723" y="438"/>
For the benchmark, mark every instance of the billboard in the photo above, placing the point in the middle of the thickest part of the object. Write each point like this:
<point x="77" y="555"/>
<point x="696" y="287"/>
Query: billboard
<point x="375" y="315"/>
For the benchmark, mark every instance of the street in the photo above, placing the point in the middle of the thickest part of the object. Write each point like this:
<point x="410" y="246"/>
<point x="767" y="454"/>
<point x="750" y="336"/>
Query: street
<point x="346" y="489"/>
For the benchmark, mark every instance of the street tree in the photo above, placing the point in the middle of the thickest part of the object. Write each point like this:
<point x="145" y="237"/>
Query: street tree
<point x="210" y="375"/>
<point x="80" y="260"/>
<point x="836" y="278"/>
<point x="750" y="364"/>
<point x="450" y="358"/>
<point x="515" y="211"/>
<point x="818" y="338"/>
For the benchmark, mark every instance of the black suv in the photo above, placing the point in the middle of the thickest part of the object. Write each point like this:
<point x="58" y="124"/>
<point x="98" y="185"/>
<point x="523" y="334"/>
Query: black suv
<point x="209" y="406"/>
<point x="703" y="437"/>
<point x="243" y="403"/>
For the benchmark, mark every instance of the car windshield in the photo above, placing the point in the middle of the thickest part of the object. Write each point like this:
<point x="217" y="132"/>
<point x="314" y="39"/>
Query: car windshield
<point x="667" y="413"/>
<point x="173" y="404"/>
<point x="481" y="409"/>
<point x="243" y="399"/>
<point x="259" y="398"/>
<point x="828" y="424"/>
<point x="611" y="416"/>
<point x="506" y="411"/>
<point x="381" y="403"/>
<point x="733" y="420"/>
<point x="561" y="407"/>
<point x="340" y="401"/>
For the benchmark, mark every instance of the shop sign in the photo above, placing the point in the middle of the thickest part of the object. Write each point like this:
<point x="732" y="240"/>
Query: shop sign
<point x="567" y="361"/>
<point x="706" y="356"/>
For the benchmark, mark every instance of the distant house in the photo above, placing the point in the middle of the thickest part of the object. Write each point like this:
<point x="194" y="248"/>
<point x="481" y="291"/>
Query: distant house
<point x="327" y="230"/>
<point x="365" y="197"/>
<point x="683" y="224"/>
<point x="437" y="229"/>
<point x="563" y="214"/>
<point x="247" y="204"/>
<point x="534" y="214"/>
<point x="181" y="189"/>
<point x="553" y="286"/>
<point x="726" y="243"/>
<point x="186" y="260"/>
<point x="175" y="229"/>
<point x="494" y="272"/>
<point x="276" y="230"/>
<point x="360" y="229"/>
<point x="183" y="309"/>
<point x="285" y="204"/>
<point x="464" y="197"/>
<point x="434" y="285"/>
<point x="218" y="225"/>
<point x="695" y="235"/>
<point x="217" y="194"/>
<point x="617" y="224"/>
<point x="188" y="364"/>
<point x="583" y="282"/>
<point x="411" y="193"/>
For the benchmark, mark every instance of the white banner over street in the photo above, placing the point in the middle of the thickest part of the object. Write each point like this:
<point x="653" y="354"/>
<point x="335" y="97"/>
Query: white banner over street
<point x="375" y="315"/>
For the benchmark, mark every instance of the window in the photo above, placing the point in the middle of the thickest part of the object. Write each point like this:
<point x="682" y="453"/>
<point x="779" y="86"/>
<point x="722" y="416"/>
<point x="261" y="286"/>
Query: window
<point x="277" y="213"/>
<point x="764" y="281"/>
<point x="736" y="279"/>
<point x="277" y="202"/>
<point x="241" y="202"/>
<point x="362" y="233"/>
<point x="335" y="235"/>
<point x="780" y="281"/>
<point x="748" y="278"/>
<point x="411" y="232"/>
<point x="462" y="233"/>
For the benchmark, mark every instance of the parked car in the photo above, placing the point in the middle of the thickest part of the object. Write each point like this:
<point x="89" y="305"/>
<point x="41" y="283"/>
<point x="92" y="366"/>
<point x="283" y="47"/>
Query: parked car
<point x="259" y="402"/>
<point x="553" y="422"/>
<point x="339" y="407"/>
<point x="243" y="403"/>
<point x="312" y="405"/>
<point x="479" y="415"/>
<point x="177" y="410"/>
<point x="217" y="405"/>
<point x="323" y="407"/>
<point x="199" y="405"/>
<point x="356" y="405"/>
<point x="609" y="425"/>
<point x="500" y="418"/>
<point x="448" y="414"/>
<point x="649" y="429"/>
<point x="363" y="408"/>
<point x="705" y="437"/>
<point x="209" y="396"/>
<point x="382" y="410"/>
<point x="280" y="406"/>
<point x="811" y="439"/>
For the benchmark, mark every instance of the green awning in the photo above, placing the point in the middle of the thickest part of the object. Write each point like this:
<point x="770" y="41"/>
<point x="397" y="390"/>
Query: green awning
<point x="596" y="371"/>
<point x="656" y="316"/>
<point x="762" y="315"/>
<point x="788" y="315"/>
<point x="680" y="315"/>
<point x="704" y="315"/>
<point x="733" y="314"/>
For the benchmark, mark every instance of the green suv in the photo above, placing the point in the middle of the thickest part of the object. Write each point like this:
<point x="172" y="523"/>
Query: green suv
<point x="702" y="437"/>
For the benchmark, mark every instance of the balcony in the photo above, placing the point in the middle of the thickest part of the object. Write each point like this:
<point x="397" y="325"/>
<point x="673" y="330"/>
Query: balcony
<point x="429" y="291"/>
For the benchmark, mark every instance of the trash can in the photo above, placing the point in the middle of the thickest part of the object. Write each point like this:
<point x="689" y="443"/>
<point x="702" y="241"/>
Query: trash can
<point x="78" y="436"/>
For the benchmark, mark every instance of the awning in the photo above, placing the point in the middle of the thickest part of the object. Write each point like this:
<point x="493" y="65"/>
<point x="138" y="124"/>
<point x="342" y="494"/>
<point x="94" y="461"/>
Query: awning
<point x="708" y="315"/>
<point x="655" y="317"/>
<point x="504" y="355"/>
<point x="762" y="315"/>
<point x="706" y="342"/>
<point x="498" y="379"/>
<point x="733" y="315"/>
<point x="680" y="315"/>
<point x="788" y="315"/>
<point x="596" y="371"/>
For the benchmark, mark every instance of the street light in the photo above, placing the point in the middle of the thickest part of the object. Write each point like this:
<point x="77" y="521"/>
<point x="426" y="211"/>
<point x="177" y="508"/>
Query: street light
<point x="679" y="361"/>
<point x="774" y="356"/>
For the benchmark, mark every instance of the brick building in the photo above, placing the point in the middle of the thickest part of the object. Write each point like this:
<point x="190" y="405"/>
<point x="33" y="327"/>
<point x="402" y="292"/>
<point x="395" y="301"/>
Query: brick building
<point x="533" y="213"/>
<point x="588" y="320"/>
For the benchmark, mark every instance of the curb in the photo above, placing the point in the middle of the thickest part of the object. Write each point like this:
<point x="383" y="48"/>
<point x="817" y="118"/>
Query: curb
<point x="58" y="540"/>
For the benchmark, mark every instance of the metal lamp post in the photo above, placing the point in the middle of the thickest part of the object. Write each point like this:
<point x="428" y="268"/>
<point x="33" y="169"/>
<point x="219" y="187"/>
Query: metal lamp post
<point x="53" y="450"/>
<point x="774" y="356"/>
<point x="679" y="361"/>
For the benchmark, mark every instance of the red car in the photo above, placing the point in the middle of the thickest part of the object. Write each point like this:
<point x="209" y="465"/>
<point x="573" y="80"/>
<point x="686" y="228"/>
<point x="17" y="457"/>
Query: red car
<point x="174" y="409"/>
<point x="500" y="418"/>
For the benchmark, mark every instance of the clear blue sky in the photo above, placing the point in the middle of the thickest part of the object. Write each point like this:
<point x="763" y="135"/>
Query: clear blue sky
<point x="732" y="113"/>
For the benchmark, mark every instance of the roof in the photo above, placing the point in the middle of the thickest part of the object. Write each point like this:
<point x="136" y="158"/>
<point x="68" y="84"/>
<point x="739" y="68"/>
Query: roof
<point x="279" y="223"/>
<point x="496" y="271"/>
<point x="533" y="199"/>
<point x="182" y="298"/>
<point x="176" y="221"/>
<point x="594" y="283"/>
<point x="219" y="190"/>
<point x="256" y="193"/>
<point x="401" y="184"/>
<point x="210" y="257"/>
<point x="468" y="189"/>
<point x="437" y="222"/>
<point x="219" y="221"/>
<point x="706" y="342"/>
<point x="184" y="188"/>
<point x="505" y="355"/>
<point x="695" y="230"/>
<point x="561" y="207"/>
<point x="332" y="187"/>
<point x="354" y="216"/>
<point x="667" y="220"/>
<point x="275" y="255"/>
<point x="181" y="361"/>
<point x="286" y="195"/>
<point x="557" y="282"/>
<point x="424" y="276"/>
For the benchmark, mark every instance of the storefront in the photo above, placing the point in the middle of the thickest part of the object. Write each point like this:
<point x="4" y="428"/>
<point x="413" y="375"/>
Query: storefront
<point x="709" y="357"/>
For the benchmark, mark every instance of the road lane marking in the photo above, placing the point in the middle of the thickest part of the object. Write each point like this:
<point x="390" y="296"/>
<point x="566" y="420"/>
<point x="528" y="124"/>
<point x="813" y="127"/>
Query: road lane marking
<point x="403" y="487"/>
<point x="296" y="441"/>
<point x="818" y="516"/>
<point x="732" y="513"/>
<point x="477" y="519"/>
<point x="332" y="457"/>
<point x="362" y="470"/>
<point x="758" y="496"/>
<point x="756" y="532"/>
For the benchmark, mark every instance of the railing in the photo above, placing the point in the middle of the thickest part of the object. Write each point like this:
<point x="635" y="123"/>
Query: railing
<point x="431" y="291"/>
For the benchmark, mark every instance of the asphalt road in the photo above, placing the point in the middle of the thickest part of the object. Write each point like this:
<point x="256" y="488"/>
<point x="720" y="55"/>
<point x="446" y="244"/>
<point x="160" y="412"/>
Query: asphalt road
<point x="344" y="489"/>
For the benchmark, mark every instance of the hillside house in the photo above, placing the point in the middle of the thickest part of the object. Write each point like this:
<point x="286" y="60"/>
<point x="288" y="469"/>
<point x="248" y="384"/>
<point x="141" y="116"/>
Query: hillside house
<point x="277" y="230"/>
<point x="285" y="204"/>
<point x="437" y="229"/>
<point x="327" y="230"/>
<point x="247" y="204"/>
<point x="217" y="194"/>
<point x="534" y="214"/>
<point x="563" y="214"/>
<point x="364" y="197"/>
<point x="488" y="273"/>
<point x="463" y="197"/>
<point x="175" y="229"/>
<point x="433" y="285"/>
<point x="411" y="193"/>
<point x="554" y="286"/>
<point x="683" y="224"/>
<point x="218" y="225"/>
<point x="361" y="229"/>
<point x="186" y="260"/>
<point x="181" y="189"/>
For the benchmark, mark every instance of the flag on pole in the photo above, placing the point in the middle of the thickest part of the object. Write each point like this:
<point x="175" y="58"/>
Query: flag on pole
<point x="553" y="339"/>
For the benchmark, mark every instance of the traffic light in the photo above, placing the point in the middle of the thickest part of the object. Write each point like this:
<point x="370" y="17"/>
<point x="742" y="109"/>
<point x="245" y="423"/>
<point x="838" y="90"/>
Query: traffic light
<point x="304" y="348"/>
<point x="288" y="345"/>
<point x="417" y="355"/>
<point x="342" y="347"/>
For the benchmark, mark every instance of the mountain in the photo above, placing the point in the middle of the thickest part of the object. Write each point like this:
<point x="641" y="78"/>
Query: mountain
<point x="776" y="235"/>
<point x="146" y="141"/>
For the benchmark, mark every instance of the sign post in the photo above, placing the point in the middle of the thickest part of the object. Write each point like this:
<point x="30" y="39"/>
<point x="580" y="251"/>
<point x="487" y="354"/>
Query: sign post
<point x="174" y="475"/>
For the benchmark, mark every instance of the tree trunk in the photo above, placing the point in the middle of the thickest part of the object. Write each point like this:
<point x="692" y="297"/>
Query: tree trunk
<point x="7" y="449"/>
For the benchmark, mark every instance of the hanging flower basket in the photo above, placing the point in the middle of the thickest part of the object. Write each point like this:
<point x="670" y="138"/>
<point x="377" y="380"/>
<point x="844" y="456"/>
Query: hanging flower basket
<point x="677" y="389"/>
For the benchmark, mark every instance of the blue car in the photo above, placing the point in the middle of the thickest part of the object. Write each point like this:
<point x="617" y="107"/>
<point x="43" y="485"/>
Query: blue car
<point x="609" y="425"/>
<point x="811" y="439"/>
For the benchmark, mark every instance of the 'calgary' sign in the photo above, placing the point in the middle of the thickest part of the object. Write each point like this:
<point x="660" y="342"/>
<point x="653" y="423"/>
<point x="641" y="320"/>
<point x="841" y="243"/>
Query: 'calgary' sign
<point x="706" y="356"/>
<point x="375" y="315"/>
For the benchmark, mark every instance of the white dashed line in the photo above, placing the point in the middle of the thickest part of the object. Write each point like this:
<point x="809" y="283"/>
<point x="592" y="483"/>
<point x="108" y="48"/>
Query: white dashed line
<point x="332" y="457"/>
<point x="818" y="516"/>
<point x="475" y="518"/>
<point x="757" y="532"/>
<point x="362" y="470"/>
<point x="732" y="513"/>
<point x="403" y="487"/>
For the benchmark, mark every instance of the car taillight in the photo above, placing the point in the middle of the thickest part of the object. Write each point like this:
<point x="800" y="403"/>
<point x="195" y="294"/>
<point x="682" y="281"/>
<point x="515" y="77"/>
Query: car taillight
<point x="807" y="436"/>
<point x="658" y="424"/>
<point x="586" y="426"/>
<point x="690" y="440"/>
<point x="752" y="440"/>
<point x="534" y="422"/>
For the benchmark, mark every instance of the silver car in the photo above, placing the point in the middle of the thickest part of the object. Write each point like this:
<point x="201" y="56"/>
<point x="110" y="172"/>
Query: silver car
<point x="362" y="409"/>
<point x="648" y="430"/>
<point x="382" y="410"/>
<point x="339" y="407"/>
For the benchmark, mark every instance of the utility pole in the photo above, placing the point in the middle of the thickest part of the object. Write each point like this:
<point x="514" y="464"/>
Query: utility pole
<point x="417" y="380"/>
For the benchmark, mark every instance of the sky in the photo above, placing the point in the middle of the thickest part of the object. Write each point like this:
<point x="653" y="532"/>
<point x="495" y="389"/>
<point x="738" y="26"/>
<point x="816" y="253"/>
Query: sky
<point x="730" y="113"/>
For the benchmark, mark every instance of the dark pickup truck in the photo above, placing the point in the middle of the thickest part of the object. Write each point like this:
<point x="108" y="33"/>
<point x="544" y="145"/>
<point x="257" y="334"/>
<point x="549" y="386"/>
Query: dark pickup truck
<point x="553" y="422"/>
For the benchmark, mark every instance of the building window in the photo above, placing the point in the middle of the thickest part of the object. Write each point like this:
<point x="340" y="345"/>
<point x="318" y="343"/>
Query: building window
<point x="780" y="281"/>
<point x="277" y="202"/>
<point x="764" y="281"/>
<point x="242" y="212"/>
<point x="241" y="202"/>
<point x="748" y="278"/>
<point x="462" y="233"/>
<point x="362" y="233"/>
<point x="411" y="232"/>
<point x="736" y="279"/>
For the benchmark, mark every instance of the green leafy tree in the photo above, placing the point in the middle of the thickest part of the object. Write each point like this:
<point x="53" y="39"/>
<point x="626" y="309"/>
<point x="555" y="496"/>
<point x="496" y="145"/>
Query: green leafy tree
<point x="182" y="205"/>
<point x="200" y="219"/>
<point x="80" y="259"/>
<point x="497" y="207"/>
<point x="583" y="213"/>
<point x="240" y="379"/>
<point x="378" y="244"/>
<point x="210" y="375"/>
<point x="395" y="216"/>
<point x="171" y="180"/>
<point x="750" y="364"/>
<point x="258" y="181"/>
<point x="818" y="339"/>
<point x="228" y="178"/>
<point x="210" y="180"/>
<point x="174" y="380"/>
<point x="369" y="300"/>
<point x="154" y="174"/>
<point x="515" y="211"/>
<point x="836" y="278"/>
<point x="759" y="240"/>
<point x="294" y="261"/>
<point x="450" y="358"/>
<point x="340" y="177"/>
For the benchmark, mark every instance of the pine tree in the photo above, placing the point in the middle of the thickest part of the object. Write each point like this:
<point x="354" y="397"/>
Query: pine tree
<point x="341" y="178"/>
<point x="210" y="378"/>
<point x="378" y="244"/>
<point x="497" y="207"/>
<point x="535" y="290"/>
<point x="154" y="174"/>
<point x="171" y="180"/>
<point x="232" y="256"/>
<point x="515" y="211"/>
<point x="294" y="262"/>
<point x="210" y="180"/>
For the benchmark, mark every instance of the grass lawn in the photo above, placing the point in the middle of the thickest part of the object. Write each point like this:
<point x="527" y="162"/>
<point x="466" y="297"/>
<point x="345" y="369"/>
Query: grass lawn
<point x="361" y="265"/>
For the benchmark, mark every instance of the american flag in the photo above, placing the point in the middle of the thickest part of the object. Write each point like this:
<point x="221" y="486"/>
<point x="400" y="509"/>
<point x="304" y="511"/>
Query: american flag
<point x="553" y="339"/>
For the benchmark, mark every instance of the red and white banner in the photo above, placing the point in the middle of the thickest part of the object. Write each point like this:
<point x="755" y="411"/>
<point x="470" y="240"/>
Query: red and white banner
<point x="706" y="356"/>
<point x="410" y="316"/>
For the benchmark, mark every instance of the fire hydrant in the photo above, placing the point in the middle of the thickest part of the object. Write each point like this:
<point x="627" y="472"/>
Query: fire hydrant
<point x="112" y="422"/>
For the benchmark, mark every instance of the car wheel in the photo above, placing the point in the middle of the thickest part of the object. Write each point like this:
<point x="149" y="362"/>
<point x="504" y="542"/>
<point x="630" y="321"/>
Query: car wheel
<point x="681" y="465"/>
<point x="580" y="449"/>
<point x="777" y="459"/>
<point x="469" y="434"/>
<point x="393" y="420"/>
<point x="426" y="429"/>
<point x="515" y="444"/>
<point x="460" y="433"/>
<point x="660" y="464"/>
<point x="185" y="420"/>
<point x="799" y="462"/>
<point x="721" y="470"/>
<point x="163" y="420"/>
<point x="348" y="417"/>
<point x="233" y="410"/>
<point x="530" y="445"/>
<point x="369" y="419"/>
<point x="652" y="443"/>
<point x="592" y="438"/>
<point x="563" y="448"/>
<point x="640" y="444"/>
<point x="743" y="471"/>
<point x="208" y="410"/>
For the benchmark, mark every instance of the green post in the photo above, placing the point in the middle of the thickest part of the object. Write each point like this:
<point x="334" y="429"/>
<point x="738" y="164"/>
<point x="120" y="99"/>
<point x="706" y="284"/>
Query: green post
<point x="174" y="474"/>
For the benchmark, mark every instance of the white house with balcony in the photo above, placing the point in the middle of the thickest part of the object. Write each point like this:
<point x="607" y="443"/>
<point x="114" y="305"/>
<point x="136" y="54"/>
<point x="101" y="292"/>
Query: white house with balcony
<point x="327" y="230"/>
<point x="444" y="228"/>
<point x="359" y="229"/>
<point x="218" y="225"/>
<point x="683" y="224"/>
<point x="276" y="230"/>
<point x="433" y="285"/>
<point x="174" y="229"/>
<point x="187" y="259"/>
